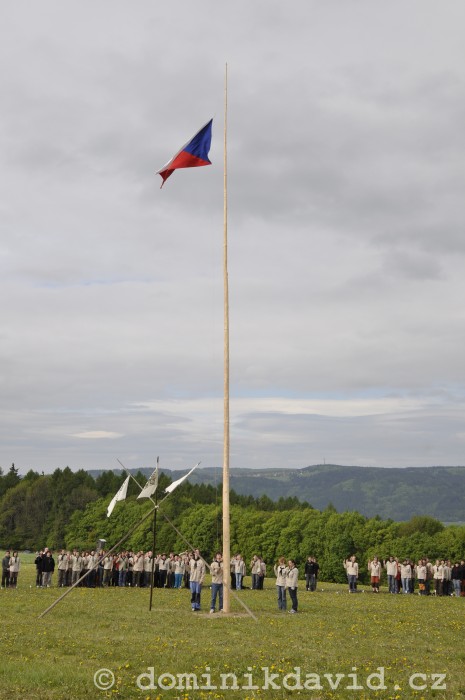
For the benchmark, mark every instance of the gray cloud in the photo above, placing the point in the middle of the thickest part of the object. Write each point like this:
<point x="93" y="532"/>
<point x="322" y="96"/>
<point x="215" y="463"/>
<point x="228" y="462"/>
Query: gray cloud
<point x="346" y="242"/>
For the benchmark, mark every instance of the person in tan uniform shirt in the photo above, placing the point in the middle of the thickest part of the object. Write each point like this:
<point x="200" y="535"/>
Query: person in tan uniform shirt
<point x="197" y="575"/>
<point x="216" y="570"/>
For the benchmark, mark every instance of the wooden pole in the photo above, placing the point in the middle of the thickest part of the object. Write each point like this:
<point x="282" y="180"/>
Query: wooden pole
<point x="226" y="532"/>
<point x="152" y="571"/>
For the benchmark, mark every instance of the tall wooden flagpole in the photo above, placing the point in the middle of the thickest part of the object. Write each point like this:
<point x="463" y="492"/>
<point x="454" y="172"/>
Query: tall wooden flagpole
<point x="226" y="534"/>
<point x="154" y="543"/>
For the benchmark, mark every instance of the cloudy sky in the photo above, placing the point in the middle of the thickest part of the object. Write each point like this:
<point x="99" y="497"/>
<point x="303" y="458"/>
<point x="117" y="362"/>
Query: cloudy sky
<point x="346" y="190"/>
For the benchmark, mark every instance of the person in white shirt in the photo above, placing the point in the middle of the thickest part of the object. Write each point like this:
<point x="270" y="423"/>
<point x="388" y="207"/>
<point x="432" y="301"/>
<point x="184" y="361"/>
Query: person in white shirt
<point x="421" y="577"/>
<point x="438" y="575"/>
<point x="291" y="583"/>
<point x="138" y="569"/>
<point x="76" y="566"/>
<point x="216" y="570"/>
<point x="148" y="569"/>
<point x="374" y="567"/>
<point x="281" y="571"/>
<point x="391" y="571"/>
<point x="351" y="567"/>
<point x="63" y="560"/>
<point x="405" y="575"/>
<point x="14" y="570"/>
<point x="239" y="570"/>
<point x="197" y="575"/>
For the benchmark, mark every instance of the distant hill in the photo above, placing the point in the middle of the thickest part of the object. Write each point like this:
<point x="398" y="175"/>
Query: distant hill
<point x="396" y="493"/>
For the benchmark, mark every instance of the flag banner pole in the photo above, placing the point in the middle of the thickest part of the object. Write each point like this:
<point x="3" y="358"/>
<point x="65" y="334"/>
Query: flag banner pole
<point x="191" y="546"/>
<point x="128" y="534"/>
<point x="133" y="478"/>
<point x="241" y="602"/>
<point x="175" y="484"/>
<point x="152" y="569"/>
<point x="119" y="496"/>
<point x="191" y="155"/>
<point x="226" y="531"/>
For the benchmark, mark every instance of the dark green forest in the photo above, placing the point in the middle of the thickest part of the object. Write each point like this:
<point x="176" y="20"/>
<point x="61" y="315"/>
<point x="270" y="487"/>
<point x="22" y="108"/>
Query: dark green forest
<point x="69" y="509"/>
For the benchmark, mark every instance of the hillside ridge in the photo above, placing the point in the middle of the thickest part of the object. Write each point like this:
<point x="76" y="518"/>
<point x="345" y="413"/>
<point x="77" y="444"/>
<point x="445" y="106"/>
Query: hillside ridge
<point x="395" y="493"/>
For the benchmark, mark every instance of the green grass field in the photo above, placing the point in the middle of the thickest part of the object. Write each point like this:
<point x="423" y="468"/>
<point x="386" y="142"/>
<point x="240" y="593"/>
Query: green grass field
<point x="334" y="633"/>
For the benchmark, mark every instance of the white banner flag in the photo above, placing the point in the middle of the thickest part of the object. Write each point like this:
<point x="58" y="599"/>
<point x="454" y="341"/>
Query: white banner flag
<point x="151" y="486"/>
<point x="175" y="484"/>
<point x="120" y="496"/>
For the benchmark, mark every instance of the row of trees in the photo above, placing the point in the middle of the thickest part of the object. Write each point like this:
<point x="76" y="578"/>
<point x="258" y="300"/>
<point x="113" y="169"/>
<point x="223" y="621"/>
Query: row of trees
<point x="37" y="508"/>
<point x="296" y="533"/>
<point x="68" y="509"/>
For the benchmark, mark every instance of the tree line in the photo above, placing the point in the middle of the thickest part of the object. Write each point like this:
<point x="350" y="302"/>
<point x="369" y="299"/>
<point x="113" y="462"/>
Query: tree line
<point x="68" y="509"/>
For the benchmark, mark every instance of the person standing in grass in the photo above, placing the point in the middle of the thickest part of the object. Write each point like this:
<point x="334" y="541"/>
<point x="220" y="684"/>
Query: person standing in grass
<point x="84" y="557"/>
<point x="48" y="567"/>
<point x="281" y="570"/>
<point x="14" y="570"/>
<point x="254" y="571"/>
<point x="291" y="583"/>
<point x="178" y="571"/>
<point x="76" y="566"/>
<point x="398" y="577"/>
<point x="456" y="579"/>
<point x="187" y="572"/>
<point x="38" y="564"/>
<point x="147" y="569"/>
<point x="62" y="568"/>
<point x="232" y="571"/>
<point x="239" y="571"/>
<point x="6" y="569"/>
<point x="438" y="573"/>
<point x="462" y="573"/>
<point x="216" y="570"/>
<point x="197" y="575"/>
<point x="138" y="569"/>
<point x="262" y="574"/>
<point x="307" y="570"/>
<point x="429" y="575"/>
<point x="447" y="578"/>
<point x="421" y="577"/>
<point x="122" y="569"/>
<point x="391" y="570"/>
<point x="412" y="578"/>
<point x="130" y="574"/>
<point x="314" y="568"/>
<point x="351" y="567"/>
<point x="405" y="575"/>
<point x="107" y="570"/>
<point x="162" y="570"/>
<point x="374" y="567"/>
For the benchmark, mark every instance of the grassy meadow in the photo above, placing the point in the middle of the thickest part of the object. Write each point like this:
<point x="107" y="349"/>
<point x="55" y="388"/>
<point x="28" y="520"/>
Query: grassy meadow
<point x="57" y="657"/>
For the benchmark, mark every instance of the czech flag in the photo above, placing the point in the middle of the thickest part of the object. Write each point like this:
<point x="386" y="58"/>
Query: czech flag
<point x="193" y="154"/>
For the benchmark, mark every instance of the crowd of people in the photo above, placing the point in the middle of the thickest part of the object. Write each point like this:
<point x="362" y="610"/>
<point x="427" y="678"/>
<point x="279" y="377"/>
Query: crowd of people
<point x="140" y="569"/>
<point x="128" y="568"/>
<point x="441" y="578"/>
<point x="94" y="568"/>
